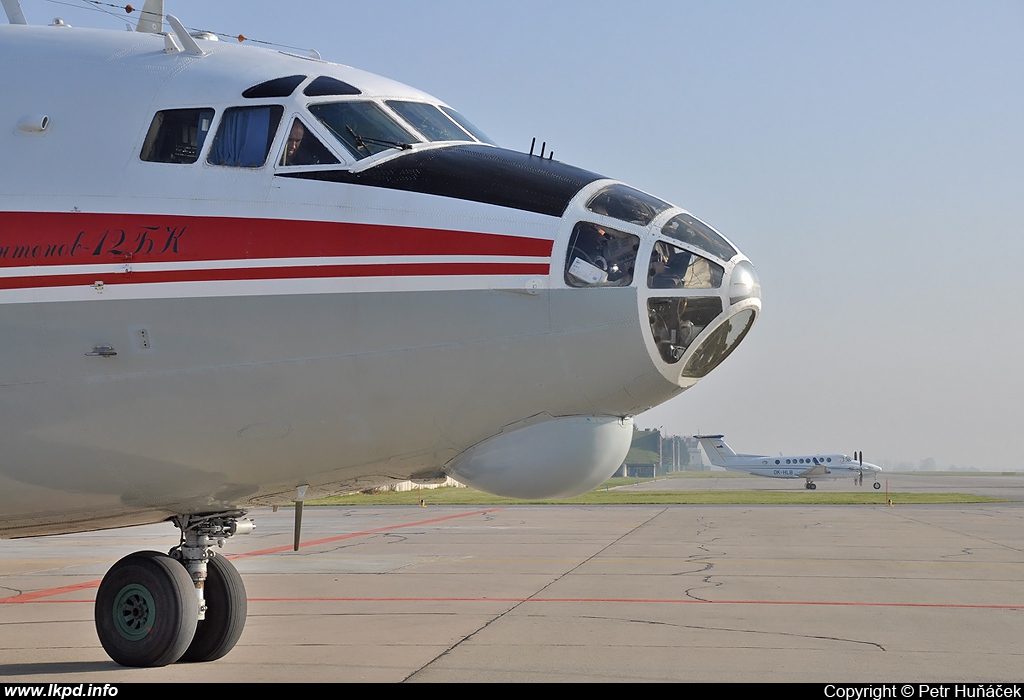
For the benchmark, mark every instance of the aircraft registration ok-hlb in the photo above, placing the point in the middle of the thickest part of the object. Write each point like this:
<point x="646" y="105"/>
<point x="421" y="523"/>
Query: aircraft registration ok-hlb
<point x="808" y="467"/>
<point x="233" y="277"/>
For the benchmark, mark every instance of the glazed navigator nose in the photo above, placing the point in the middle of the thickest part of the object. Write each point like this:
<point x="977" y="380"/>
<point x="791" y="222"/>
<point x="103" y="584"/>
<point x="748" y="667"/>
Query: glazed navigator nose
<point x="700" y="295"/>
<point x="703" y="297"/>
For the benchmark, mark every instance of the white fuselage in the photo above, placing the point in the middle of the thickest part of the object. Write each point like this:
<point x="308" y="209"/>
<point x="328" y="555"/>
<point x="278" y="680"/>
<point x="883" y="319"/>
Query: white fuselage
<point x="195" y="337"/>
<point x="777" y="468"/>
<point x="809" y="467"/>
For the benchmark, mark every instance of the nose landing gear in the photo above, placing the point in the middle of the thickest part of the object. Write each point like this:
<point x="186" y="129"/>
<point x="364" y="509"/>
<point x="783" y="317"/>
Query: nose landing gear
<point x="146" y="610"/>
<point x="225" y="614"/>
<point x="154" y="609"/>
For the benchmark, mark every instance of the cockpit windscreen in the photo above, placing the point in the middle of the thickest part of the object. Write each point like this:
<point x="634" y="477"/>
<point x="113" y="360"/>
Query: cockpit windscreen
<point x="363" y="128"/>
<point x="429" y="121"/>
<point x="468" y="126"/>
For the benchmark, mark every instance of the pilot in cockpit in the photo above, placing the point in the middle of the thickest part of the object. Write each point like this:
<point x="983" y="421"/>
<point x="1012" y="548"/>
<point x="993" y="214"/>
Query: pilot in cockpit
<point x="292" y="150"/>
<point x="668" y="267"/>
<point x="303" y="148"/>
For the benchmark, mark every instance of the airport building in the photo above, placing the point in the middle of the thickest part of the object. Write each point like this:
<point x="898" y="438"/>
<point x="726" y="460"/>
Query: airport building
<point x="654" y="454"/>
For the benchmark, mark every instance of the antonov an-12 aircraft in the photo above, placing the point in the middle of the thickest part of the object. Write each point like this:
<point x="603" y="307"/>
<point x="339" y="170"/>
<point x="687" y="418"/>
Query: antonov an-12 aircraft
<point x="234" y="277"/>
<point x="807" y="467"/>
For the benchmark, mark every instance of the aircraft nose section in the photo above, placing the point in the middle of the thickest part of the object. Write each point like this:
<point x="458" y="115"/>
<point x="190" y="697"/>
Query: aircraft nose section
<point x="697" y="294"/>
<point x="743" y="283"/>
<point x="703" y="295"/>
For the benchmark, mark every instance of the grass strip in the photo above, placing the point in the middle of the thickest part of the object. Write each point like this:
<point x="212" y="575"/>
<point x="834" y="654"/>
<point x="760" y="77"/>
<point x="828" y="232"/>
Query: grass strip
<point x="465" y="496"/>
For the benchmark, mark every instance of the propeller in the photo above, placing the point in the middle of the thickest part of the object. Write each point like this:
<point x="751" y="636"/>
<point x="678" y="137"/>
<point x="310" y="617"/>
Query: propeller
<point x="873" y="469"/>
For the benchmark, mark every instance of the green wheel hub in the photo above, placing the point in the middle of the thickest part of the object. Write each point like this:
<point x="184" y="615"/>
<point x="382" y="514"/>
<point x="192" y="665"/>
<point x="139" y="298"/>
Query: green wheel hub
<point x="134" y="612"/>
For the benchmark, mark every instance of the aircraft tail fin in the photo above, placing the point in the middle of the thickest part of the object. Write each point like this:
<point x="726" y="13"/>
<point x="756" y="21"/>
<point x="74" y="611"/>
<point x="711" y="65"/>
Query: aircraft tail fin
<point x="718" y="452"/>
<point x="151" y="17"/>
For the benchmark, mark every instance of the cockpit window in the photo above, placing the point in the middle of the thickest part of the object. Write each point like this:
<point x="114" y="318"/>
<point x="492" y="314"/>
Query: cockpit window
<point x="429" y="121"/>
<point x="325" y="85"/>
<point x="600" y="256"/>
<point x="468" y="126"/>
<point x="692" y="231"/>
<point x="677" y="321"/>
<point x="278" y="87"/>
<point x="675" y="268"/>
<point x="362" y="127"/>
<point x="244" y="136"/>
<point x="627" y="204"/>
<point x="719" y="345"/>
<point x="177" y="135"/>
<point x="304" y="148"/>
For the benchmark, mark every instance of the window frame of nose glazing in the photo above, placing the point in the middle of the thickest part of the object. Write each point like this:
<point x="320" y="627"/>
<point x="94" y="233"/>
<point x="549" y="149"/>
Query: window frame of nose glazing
<point x="698" y="293"/>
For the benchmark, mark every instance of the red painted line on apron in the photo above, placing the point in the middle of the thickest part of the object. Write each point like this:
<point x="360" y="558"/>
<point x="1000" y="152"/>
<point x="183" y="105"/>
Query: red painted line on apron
<point x="630" y="601"/>
<point x="37" y="596"/>
<point x="338" y="538"/>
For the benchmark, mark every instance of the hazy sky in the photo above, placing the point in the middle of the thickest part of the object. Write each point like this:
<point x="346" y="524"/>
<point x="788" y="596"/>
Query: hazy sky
<point x="867" y="156"/>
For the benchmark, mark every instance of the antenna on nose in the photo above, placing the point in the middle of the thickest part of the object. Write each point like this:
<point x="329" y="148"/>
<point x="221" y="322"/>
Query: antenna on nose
<point x="543" y="147"/>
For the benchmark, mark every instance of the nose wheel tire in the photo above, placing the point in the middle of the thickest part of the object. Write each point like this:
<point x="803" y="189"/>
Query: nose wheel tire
<point x="877" y="486"/>
<point x="225" y="614"/>
<point x="146" y="610"/>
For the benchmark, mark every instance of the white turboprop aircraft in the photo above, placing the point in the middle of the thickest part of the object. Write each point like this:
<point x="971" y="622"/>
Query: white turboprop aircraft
<point x="808" y="467"/>
<point x="233" y="277"/>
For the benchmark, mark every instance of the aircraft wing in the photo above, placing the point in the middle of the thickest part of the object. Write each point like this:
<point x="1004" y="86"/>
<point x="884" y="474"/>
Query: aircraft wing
<point x="816" y="470"/>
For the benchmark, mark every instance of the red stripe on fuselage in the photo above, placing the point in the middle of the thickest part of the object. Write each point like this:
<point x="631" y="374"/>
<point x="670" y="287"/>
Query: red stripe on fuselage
<point x="59" y="238"/>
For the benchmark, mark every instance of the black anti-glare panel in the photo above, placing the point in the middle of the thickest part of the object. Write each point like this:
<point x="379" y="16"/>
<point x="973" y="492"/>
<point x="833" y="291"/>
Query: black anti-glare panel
<point x="475" y="173"/>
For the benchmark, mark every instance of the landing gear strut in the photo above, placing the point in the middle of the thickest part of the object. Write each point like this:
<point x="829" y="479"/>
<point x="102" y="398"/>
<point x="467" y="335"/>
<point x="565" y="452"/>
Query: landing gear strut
<point x="154" y="609"/>
<point x="225" y="614"/>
